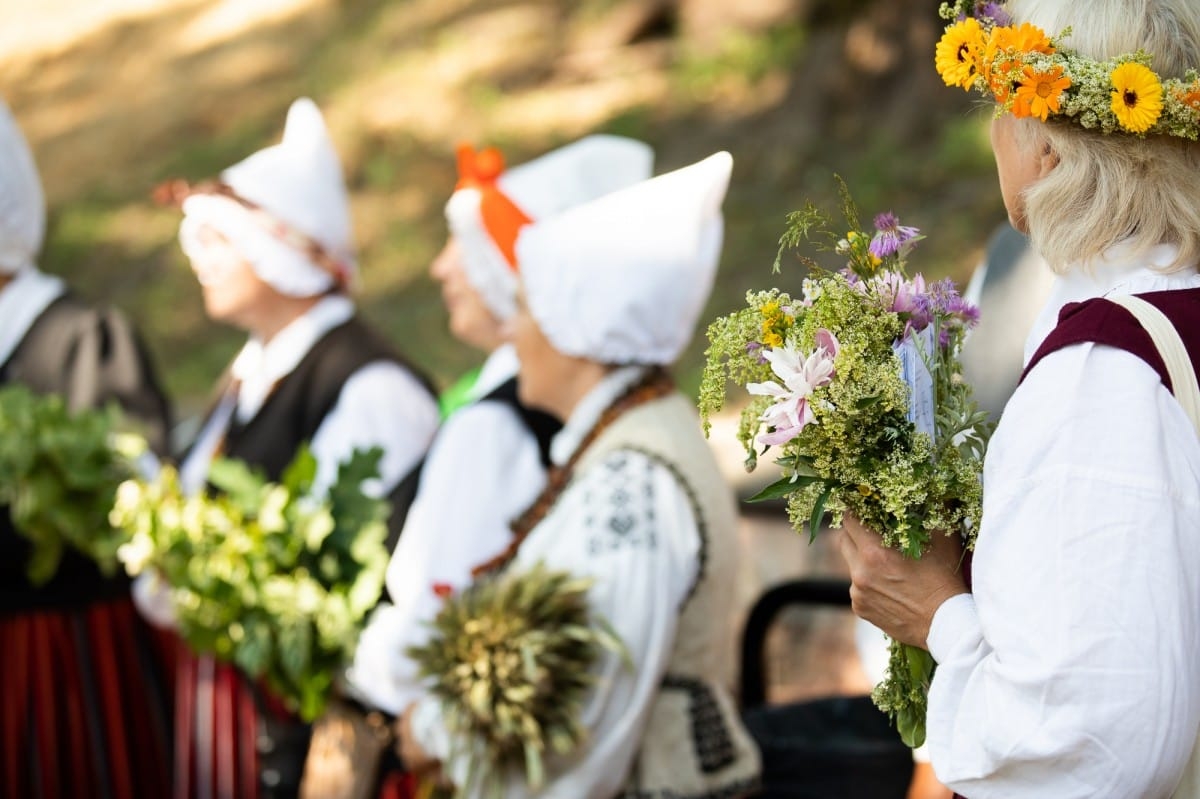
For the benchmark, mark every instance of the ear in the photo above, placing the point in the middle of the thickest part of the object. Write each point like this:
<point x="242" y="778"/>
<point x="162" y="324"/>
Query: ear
<point x="1047" y="160"/>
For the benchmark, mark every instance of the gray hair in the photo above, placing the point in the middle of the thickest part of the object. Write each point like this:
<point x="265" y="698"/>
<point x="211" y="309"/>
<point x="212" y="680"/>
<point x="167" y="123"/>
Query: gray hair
<point x="1111" y="188"/>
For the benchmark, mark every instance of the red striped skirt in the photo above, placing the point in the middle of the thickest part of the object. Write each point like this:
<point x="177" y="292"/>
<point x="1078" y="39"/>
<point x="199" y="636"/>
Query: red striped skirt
<point x="86" y="705"/>
<point x="233" y="740"/>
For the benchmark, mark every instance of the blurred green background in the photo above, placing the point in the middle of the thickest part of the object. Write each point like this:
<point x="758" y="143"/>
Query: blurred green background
<point x="118" y="95"/>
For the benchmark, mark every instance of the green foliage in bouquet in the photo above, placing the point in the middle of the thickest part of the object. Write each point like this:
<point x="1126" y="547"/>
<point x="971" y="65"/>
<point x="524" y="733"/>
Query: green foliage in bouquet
<point x="264" y="574"/>
<point x="858" y="383"/>
<point x="510" y="659"/>
<point x="59" y="475"/>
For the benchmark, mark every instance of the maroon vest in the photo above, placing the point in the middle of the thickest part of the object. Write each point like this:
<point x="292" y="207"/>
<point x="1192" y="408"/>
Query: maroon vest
<point x="1103" y="322"/>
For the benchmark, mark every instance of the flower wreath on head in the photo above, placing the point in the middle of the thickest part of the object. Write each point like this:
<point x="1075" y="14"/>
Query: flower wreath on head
<point x="1030" y="74"/>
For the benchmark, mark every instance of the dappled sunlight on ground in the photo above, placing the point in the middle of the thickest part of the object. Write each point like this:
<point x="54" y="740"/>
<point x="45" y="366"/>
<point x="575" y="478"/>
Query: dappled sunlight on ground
<point x="115" y="102"/>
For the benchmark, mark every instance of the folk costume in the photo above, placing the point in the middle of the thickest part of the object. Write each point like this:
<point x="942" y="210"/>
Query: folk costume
<point x="327" y="379"/>
<point x="1086" y="522"/>
<point x="86" y="696"/>
<point x="494" y="445"/>
<point x="635" y="501"/>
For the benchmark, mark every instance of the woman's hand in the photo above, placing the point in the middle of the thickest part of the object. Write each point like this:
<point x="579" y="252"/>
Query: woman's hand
<point x="415" y="759"/>
<point x="897" y="594"/>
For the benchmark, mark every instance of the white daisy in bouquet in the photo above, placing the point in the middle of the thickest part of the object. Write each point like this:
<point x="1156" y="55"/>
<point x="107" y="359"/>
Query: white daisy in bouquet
<point x="856" y="386"/>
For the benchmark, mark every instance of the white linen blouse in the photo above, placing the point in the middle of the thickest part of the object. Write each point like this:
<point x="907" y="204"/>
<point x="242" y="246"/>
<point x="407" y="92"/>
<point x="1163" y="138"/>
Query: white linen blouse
<point x="1071" y="671"/>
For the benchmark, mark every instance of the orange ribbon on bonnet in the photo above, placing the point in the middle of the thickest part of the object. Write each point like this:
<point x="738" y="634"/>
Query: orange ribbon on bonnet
<point x="501" y="217"/>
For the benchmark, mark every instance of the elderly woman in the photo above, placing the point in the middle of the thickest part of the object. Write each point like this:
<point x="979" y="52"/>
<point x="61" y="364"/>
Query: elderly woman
<point x="493" y="443"/>
<point x="612" y="290"/>
<point x="271" y="245"/>
<point x="1068" y="667"/>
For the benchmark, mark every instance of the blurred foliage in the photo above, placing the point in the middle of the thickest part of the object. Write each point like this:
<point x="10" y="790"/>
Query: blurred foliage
<point x="402" y="81"/>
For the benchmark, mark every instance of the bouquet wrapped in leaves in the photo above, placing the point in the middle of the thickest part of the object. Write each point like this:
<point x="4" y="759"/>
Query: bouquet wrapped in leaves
<point x="265" y="574"/>
<point x="510" y="660"/>
<point x="59" y="473"/>
<point x="857" y="384"/>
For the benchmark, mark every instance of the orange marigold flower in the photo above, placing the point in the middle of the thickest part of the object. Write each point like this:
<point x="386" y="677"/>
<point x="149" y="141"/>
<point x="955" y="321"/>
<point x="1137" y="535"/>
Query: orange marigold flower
<point x="1001" y="55"/>
<point x="1023" y="38"/>
<point x="959" y="55"/>
<point x="1038" y="93"/>
<point x="1000" y="79"/>
<point x="1189" y="96"/>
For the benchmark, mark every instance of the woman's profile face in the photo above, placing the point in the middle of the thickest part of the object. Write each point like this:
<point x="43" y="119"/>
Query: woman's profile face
<point x="544" y="370"/>
<point x="232" y="291"/>
<point x="471" y="321"/>
<point x="1019" y="164"/>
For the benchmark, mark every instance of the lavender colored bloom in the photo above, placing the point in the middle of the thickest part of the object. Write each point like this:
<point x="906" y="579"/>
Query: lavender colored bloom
<point x="993" y="11"/>
<point x="891" y="235"/>
<point x="754" y="348"/>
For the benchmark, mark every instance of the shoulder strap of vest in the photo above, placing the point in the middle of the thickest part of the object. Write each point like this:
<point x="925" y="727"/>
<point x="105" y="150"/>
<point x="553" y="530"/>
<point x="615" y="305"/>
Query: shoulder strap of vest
<point x="543" y="426"/>
<point x="1105" y="322"/>
<point x="1171" y="349"/>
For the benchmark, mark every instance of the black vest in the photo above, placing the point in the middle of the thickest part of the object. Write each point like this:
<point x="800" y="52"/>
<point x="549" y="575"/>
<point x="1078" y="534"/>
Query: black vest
<point x="89" y="357"/>
<point x="543" y="426"/>
<point x="302" y="399"/>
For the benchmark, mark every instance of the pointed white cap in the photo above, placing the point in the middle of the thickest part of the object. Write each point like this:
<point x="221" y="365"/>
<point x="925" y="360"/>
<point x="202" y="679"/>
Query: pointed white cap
<point x="298" y="182"/>
<point x="576" y="173"/>
<point x="623" y="279"/>
<point x="22" y="204"/>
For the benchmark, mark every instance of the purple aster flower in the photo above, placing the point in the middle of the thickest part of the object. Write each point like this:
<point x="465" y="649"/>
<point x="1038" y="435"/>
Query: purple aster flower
<point x="891" y="235"/>
<point x="754" y="348"/>
<point x="993" y="11"/>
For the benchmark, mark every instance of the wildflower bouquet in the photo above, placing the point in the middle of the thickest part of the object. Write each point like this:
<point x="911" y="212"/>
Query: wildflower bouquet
<point x="58" y="477"/>
<point x="510" y="660"/>
<point x="264" y="574"/>
<point x="857" y="383"/>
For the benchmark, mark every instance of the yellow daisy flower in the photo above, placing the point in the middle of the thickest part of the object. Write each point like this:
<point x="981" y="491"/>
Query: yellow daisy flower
<point x="1039" y="92"/>
<point x="1137" y="97"/>
<point x="960" y="52"/>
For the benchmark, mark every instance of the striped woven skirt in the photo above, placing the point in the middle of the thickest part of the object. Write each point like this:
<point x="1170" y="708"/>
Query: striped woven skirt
<point x="85" y="709"/>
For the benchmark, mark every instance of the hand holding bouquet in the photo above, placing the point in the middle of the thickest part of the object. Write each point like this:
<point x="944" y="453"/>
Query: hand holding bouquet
<point x="265" y="574"/>
<point x="858" y="384"/>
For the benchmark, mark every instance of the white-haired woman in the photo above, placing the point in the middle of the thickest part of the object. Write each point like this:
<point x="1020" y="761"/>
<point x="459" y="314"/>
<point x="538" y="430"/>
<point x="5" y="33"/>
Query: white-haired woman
<point x="612" y="291"/>
<point x="1071" y="668"/>
<point x="271" y="245"/>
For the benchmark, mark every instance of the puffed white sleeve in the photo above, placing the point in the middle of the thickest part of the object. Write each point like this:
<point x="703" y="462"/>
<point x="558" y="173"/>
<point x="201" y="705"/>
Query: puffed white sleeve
<point x="384" y="405"/>
<point x="483" y="470"/>
<point x="628" y="525"/>
<point x="1071" y="671"/>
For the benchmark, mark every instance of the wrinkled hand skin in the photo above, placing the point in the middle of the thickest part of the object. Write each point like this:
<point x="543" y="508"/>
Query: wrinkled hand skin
<point x="897" y="594"/>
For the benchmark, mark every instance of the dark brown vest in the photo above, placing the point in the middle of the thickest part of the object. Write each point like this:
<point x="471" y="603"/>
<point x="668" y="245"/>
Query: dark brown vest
<point x="302" y="399"/>
<point x="90" y="357"/>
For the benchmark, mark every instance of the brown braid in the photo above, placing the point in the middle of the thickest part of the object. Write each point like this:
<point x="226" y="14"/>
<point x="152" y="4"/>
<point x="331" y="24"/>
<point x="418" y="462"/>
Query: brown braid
<point x="656" y="384"/>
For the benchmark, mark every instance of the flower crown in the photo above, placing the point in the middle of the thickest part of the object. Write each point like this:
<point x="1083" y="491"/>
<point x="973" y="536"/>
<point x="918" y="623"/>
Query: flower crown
<point x="1031" y="75"/>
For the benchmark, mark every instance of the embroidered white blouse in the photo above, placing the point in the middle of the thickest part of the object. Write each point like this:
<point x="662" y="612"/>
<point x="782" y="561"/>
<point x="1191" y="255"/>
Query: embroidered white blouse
<point x="483" y="452"/>
<point x="627" y="523"/>
<point x="382" y="404"/>
<point x="1072" y="669"/>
